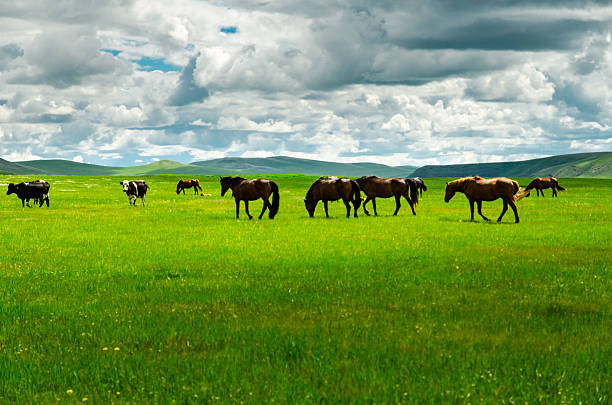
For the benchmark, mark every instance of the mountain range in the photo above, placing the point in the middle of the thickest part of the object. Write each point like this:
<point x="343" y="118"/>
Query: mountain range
<point x="596" y="164"/>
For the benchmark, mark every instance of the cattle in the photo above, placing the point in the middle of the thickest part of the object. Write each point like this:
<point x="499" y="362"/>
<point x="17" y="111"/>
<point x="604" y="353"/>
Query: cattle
<point x="37" y="190"/>
<point x="135" y="189"/>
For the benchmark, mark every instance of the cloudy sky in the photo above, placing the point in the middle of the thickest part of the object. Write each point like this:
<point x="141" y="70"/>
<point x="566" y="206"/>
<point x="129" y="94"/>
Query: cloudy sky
<point x="124" y="82"/>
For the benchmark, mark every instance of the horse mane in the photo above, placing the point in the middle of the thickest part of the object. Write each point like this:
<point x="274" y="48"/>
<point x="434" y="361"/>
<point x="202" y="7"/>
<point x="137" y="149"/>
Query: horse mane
<point x="462" y="181"/>
<point x="311" y="189"/>
<point x="233" y="180"/>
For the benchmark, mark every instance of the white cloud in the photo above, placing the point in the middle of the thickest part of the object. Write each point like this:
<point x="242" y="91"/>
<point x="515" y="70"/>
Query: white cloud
<point x="398" y="83"/>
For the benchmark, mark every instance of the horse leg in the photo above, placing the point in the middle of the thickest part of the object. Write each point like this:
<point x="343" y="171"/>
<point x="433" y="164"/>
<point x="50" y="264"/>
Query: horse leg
<point x="354" y="208"/>
<point x="374" y="205"/>
<point x="237" y="207"/>
<point x="554" y="191"/>
<point x="516" y="217"/>
<point x="397" y="204"/>
<point x="410" y="202"/>
<point x="246" y="207"/>
<point x="348" y="207"/>
<point x="265" y="205"/>
<point x="480" y="210"/>
<point x="542" y="191"/>
<point x="503" y="211"/>
<point x="364" y="204"/>
<point x="325" y="206"/>
<point x="472" y="210"/>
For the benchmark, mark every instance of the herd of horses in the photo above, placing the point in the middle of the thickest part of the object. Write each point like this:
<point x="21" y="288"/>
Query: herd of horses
<point x="326" y="189"/>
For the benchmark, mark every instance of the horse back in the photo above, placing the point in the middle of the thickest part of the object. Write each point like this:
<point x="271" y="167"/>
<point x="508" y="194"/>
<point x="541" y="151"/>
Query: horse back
<point x="491" y="189"/>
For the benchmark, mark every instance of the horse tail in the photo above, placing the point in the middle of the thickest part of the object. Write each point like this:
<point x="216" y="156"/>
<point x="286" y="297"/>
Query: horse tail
<point x="356" y="194"/>
<point x="556" y="183"/>
<point x="178" y="186"/>
<point x="275" y="200"/>
<point x="518" y="194"/>
<point x="414" y="191"/>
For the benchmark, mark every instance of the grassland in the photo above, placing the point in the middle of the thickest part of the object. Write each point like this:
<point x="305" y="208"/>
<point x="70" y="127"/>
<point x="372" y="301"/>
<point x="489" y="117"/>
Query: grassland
<point x="179" y="301"/>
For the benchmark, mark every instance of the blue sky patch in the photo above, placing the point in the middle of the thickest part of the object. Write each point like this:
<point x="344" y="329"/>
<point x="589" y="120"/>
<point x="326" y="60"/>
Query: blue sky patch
<point x="151" y="64"/>
<point x="229" y="30"/>
<point x="113" y="52"/>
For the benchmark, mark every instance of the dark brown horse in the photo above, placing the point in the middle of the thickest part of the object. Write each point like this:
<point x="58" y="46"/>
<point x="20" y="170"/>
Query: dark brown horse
<point x="251" y="190"/>
<point x="332" y="189"/>
<point x="183" y="184"/>
<point x="374" y="186"/>
<point x="540" y="183"/>
<point x="477" y="189"/>
<point x="420" y="185"/>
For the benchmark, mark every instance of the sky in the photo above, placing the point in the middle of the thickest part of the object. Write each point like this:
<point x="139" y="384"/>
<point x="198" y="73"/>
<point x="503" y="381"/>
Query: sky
<point x="128" y="82"/>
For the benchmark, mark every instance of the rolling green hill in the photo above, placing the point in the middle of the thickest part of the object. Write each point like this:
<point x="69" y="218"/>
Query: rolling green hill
<point x="576" y="165"/>
<point x="272" y="165"/>
<point x="289" y="165"/>
<point x="598" y="165"/>
<point x="16" y="168"/>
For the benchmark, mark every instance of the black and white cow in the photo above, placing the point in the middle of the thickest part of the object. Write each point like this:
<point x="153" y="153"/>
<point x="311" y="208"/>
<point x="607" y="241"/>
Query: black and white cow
<point x="37" y="190"/>
<point x="135" y="189"/>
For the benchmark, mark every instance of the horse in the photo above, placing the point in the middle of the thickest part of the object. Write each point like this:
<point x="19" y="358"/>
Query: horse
<point x="332" y="189"/>
<point x="251" y="190"/>
<point x="183" y="184"/>
<point x="374" y="186"/>
<point x="540" y="183"/>
<point x="420" y="185"/>
<point x="477" y="189"/>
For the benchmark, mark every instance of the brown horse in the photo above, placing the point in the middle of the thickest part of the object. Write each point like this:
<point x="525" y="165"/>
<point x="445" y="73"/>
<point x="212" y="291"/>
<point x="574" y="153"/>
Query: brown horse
<point x="540" y="183"/>
<point x="183" y="184"/>
<point x="420" y="185"/>
<point x="251" y="190"/>
<point x="332" y="189"/>
<point x="477" y="189"/>
<point x="374" y="186"/>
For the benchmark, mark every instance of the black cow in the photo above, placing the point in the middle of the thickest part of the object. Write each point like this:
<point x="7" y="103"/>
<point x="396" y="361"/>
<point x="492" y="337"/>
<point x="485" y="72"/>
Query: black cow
<point x="37" y="190"/>
<point x="135" y="189"/>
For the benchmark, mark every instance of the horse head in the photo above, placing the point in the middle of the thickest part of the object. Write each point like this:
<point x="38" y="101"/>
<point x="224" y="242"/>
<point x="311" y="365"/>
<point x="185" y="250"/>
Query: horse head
<point x="228" y="182"/>
<point x="225" y="183"/>
<point x="451" y="188"/>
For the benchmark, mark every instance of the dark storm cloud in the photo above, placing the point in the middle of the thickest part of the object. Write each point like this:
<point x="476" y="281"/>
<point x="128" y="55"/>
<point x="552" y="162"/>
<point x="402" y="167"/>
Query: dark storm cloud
<point x="8" y="53"/>
<point x="503" y="34"/>
<point x="188" y="91"/>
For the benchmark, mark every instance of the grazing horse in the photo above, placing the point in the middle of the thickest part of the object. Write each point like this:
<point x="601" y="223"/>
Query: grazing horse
<point x="540" y="183"/>
<point x="374" y="186"/>
<point x="183" y="184"/>
<point x="251" y="190"/>
<point x="332" y="189"/>
<point x="420" y="185"/>
<point x="477" y="189"/>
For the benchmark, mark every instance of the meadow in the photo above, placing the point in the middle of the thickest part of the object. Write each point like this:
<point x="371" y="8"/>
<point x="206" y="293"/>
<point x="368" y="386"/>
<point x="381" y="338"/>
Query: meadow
<point x="180" y="302"/>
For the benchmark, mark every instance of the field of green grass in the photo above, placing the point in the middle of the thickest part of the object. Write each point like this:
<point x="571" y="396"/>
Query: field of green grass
<point x="180" y="302"/>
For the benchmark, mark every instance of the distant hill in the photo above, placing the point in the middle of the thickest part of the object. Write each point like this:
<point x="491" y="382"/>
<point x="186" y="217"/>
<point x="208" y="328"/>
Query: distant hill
<point x="17" y="168"/>
<point x="289" y="165"/>
<point x="576" y="165"/>
<point x="597" y="164"/>
<point x="272" y="165"/>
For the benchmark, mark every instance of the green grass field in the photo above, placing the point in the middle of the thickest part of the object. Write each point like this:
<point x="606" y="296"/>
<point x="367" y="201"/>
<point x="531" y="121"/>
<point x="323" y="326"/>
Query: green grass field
<point x="180" y="302"/>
